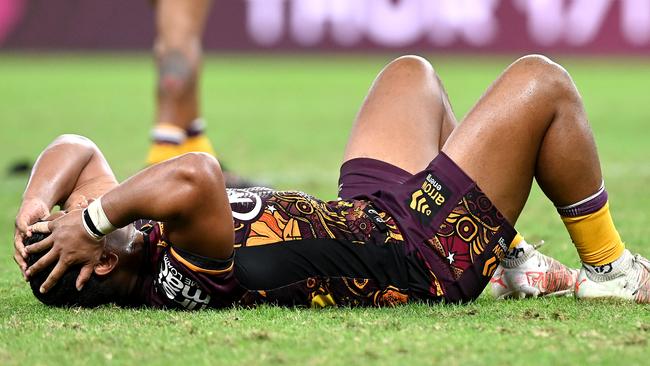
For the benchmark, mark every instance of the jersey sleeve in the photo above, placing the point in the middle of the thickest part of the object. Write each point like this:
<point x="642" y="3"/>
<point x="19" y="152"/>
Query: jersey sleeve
<point x="184" y="280"/>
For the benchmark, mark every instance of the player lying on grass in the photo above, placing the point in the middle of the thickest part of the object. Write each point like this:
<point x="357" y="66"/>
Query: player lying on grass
<point x="411" y="223"/>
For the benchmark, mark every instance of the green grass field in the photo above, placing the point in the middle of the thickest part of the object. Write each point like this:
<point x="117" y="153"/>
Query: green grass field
<point x="286" y="120"/>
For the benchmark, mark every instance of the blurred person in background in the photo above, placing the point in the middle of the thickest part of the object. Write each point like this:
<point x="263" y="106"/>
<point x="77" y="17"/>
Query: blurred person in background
<point x="179" y="128"/>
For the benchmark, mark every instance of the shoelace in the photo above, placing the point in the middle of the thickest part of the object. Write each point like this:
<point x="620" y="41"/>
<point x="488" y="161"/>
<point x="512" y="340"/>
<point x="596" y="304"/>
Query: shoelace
<point x="539" y="244"/>
<point x="638" y="259"/>
<point x="541" y="259"/>
<point x="642" y="261"/>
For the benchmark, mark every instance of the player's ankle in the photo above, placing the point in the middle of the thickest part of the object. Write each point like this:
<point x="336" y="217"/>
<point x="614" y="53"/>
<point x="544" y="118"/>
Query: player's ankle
<point x="164" y="133"/>
<point x="196" y="128"/>
<point x="609" y="271"/>
<point x="517" y="255"/>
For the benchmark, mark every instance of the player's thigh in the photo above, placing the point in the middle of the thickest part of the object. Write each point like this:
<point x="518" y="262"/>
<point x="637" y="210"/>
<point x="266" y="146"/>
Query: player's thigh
<point x="403" y="117"/>
<point x="497" y="143"/>
<point x="180" y="24"/>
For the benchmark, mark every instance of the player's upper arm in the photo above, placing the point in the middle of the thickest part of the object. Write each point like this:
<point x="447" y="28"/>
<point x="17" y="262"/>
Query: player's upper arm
<point x="205" y="227"/>
<point x="96" y="176"/>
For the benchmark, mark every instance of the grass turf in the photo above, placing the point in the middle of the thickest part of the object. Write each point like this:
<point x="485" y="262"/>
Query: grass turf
<point x="285" y="119"/>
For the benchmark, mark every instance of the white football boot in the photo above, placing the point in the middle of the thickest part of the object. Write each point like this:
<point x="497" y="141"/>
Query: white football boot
<point x="525" y="272"/>
<point x="630" y="281"/>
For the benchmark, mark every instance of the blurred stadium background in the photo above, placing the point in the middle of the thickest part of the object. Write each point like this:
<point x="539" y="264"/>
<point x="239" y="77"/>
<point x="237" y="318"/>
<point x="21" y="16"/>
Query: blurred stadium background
<point x="85" y="48"/>
<point x="575" y="26"/>
<point x="282" y="82"/>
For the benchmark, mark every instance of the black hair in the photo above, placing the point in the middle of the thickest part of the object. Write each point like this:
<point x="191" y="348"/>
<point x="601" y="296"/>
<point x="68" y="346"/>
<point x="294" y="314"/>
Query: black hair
<point x="64" y="294"/>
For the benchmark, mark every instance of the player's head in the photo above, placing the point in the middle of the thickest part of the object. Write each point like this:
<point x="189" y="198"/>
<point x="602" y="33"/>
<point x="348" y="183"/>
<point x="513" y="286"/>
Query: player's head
<point x="111" y="282"/>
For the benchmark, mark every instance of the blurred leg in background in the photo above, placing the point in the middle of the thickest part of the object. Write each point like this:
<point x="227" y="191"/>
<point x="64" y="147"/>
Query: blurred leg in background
<point x="179" y="127"/>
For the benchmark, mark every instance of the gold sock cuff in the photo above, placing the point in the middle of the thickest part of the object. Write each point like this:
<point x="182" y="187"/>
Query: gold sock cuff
<point x="595" y="237"/>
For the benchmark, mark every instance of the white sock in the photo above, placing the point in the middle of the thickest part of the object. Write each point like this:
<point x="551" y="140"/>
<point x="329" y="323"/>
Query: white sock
<point x="609" y="271"/>
<point x="518" y="255"/>
<point x="168" y="134"/>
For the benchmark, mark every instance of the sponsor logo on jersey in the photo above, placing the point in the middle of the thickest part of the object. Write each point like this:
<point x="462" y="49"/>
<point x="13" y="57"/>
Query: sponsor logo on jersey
<point x="429" y="199"/>
<point x="245" y="204"/>
<point x="181" y="289"/>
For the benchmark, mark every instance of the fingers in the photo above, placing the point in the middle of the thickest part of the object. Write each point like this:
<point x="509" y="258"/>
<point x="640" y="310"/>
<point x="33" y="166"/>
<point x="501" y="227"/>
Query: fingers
<point x="22" y="264"/>
<point x="84" y="275"/>
<point x="82" y="202"/>
<point x="29" y="213"/>
<point x="22" y="222"/>
<point x="54" y="277"/>
<point x="54" y="216"/>
<point x="41" y="227"/>
<point x="41" y="245"/>
<point x="42" y="263"/>
<point x="20" y="254"/>
<point x="22" y="230"/>
<point x="19" y="246"/>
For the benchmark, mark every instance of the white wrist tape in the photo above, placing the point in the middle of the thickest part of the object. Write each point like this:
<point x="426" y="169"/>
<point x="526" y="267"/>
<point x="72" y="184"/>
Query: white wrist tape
<point x="95" y="221"/>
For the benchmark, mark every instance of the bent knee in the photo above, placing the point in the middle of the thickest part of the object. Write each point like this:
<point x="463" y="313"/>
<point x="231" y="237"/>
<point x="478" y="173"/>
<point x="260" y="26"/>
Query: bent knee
<point x="412" y="72"/>
<point x="409" y="65"/>
<point x="541" y="64"/>
<point x="547" y="75"/>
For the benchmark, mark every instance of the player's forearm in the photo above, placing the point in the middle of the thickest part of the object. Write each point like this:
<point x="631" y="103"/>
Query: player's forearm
<point x="187" y="193"/>
<point x="57" y="170"/>
<point x="164" y="192"/>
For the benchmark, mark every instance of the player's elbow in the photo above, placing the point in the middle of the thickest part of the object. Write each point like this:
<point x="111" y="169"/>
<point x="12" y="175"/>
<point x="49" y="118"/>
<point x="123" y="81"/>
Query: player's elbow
<point x="70" y="138"/>
<point x="200" y="172"/>
<point x="81" y="144"/>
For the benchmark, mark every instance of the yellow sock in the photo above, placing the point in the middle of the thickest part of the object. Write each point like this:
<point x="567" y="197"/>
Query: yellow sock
<point x="595" y="237"/>
<point x="167" y="140"/>
<point x="518" y="239"/>
<point x="198" y="143"/>
<point x="160" y="152"/>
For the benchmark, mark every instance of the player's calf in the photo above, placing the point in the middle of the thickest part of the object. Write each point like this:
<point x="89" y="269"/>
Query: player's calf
<point x="177" y="74"/>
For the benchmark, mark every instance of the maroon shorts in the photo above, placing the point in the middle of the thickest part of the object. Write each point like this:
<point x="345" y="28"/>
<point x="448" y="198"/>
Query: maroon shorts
<point x="452" y="227"/>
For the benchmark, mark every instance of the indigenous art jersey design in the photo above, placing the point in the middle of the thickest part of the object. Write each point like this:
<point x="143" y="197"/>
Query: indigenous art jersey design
<point x="290" y="249"/>
<point x="263" y="216"/>
<point x="293" y="249"/>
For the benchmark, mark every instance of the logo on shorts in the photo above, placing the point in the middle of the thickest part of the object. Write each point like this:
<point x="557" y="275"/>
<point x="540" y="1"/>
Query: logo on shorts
<point x="419" y="203"/>
<point x="429" y="199"/>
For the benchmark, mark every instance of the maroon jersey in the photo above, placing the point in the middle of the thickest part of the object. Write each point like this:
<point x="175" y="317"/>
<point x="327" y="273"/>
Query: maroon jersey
<point x="290" y="249"/>
<point x="394" y="236"/>
<point x="174" y="278"/>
